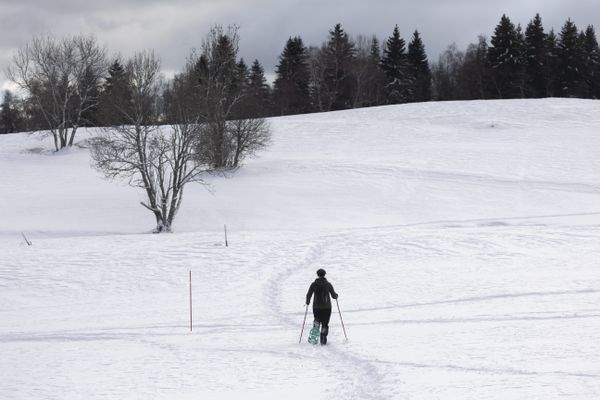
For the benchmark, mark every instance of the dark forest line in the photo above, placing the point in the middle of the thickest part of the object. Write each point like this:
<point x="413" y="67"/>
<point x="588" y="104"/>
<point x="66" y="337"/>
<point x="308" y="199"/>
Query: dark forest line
<point x="344" y="73"/>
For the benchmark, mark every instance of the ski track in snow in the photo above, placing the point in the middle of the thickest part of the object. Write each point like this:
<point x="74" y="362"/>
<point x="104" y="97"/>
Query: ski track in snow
<point x="358" y="377"/>
<point x="377" y="171"/>
<point x="258" y="324"/>
<point x="372" y="383"/>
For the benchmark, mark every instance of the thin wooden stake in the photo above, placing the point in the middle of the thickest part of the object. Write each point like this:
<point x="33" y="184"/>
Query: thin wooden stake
<point x="226" y="243"/>
<point x="191" y="315"/>
<point x="26" y="241"/>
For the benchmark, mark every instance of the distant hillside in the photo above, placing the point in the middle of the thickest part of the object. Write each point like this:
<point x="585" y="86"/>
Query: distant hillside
<point x="404" y="164"/>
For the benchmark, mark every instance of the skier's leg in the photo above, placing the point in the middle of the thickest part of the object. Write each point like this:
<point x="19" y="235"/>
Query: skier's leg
<point x="313" y="336"/>
<point x="317" y="315"/>
<point x="325" y="325"/>
<point x="316" y="320"/>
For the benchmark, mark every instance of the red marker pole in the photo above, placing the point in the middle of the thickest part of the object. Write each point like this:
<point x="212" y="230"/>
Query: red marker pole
<point x="190" y="300"/>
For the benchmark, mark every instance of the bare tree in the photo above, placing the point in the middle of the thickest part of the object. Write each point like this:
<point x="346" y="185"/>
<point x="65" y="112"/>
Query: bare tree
<point x="61" y="77"/>
<point x="248" y="136"/>
<point x="159" y="160"/>
<point x="444" y="74"/>
<point x="363" y="70"/>
<point x="316" y="68"/>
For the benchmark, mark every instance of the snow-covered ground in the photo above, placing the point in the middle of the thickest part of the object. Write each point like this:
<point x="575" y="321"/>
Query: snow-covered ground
<point x="462" y="237"/>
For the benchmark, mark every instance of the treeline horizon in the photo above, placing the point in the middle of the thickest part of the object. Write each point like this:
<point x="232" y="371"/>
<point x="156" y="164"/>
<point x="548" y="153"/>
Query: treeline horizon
<point x="353" y="72"/>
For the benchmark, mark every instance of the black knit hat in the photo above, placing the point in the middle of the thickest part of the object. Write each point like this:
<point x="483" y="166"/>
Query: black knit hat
<point x="321" y="272"/>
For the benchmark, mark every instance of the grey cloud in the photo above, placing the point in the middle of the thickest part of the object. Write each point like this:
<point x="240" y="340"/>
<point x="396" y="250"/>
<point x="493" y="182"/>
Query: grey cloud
<point x="173" y="28"/>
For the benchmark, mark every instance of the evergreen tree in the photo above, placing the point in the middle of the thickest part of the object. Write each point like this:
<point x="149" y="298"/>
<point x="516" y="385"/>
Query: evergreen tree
<point x="115" y="96"/>
<point x="291" y="84"/>
<point x="220" y="84"/>
<point x="551" y="70"/>
<point x="394" y="64"/>
<point x="419" y="69"/>
<point x="591" y="65"/>
<point x="259" y="91"/>
<point x="90" y="115"/>
<point x="535" y="58"/>
<point x="240" y="82"/>
<point x="11" y="118"/>
<point x="521" y="77"/>
<point x="219" y="73"/>
<point x="375" y="52"/>
<point x="570" y="61"/>
<point x="338" y="58"/>
<point x="505" y="58"/>
<point x="242" y="75"/>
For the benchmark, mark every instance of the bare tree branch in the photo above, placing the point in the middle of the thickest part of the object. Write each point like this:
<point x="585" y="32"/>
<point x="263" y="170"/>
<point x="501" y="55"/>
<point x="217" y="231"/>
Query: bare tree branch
<point x="161" y="160"/>
<point x="60" y="76"/>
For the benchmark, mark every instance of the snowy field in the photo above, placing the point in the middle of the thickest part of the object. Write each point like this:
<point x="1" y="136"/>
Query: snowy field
<point x="462" y="237"/>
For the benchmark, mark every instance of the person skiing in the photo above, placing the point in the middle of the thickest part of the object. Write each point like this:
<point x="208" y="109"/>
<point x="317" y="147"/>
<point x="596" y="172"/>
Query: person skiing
<point x="321" y="302"/>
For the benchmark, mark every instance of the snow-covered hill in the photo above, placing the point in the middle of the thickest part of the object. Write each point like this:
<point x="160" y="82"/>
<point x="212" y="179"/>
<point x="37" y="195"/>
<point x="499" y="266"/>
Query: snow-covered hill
<point x="463" y="238"/>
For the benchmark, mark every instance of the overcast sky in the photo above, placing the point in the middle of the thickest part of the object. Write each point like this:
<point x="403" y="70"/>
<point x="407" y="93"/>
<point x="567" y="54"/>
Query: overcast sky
<point x="173" y="27"/>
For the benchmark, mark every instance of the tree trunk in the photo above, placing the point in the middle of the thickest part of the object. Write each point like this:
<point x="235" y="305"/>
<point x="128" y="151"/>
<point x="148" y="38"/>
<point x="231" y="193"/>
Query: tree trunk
<point x="73" y="130"/>
<point x="63" y="137"/>
<point x="55" y="141"/>
<point x="162" y="225"/>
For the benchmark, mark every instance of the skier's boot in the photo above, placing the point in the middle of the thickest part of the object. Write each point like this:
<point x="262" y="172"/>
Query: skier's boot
<point x="324" y="333"/>
<point x="323" y="339"/>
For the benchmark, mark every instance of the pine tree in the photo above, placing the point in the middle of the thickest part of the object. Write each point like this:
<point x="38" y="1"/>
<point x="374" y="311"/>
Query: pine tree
<point x="419" y="69"/>
<point x="338" y="58"/>
<point x="240" y="83"/>
<point x="11" y="119"/>
<point x="520" y="74"/>
<point x="221" y="84"/>
<point x="505" y="58"/>
<point x="222" y="73"/>
<point x="291" y="84"/>
<point x="591" y="65"/>
<point x="551" y="69"/>
<point x="535" y="58"/>
<point x="90" y="115"/>
<point x="570" y="61"/>
<point x="258" y="91"/>
<point x="242" y="75"/>
<point x="115" y="96"/>
<point x="394" y="64"/>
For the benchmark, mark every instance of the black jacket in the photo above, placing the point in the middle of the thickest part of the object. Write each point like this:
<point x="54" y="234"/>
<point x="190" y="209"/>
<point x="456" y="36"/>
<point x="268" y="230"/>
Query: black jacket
<point x="321" y="288"/>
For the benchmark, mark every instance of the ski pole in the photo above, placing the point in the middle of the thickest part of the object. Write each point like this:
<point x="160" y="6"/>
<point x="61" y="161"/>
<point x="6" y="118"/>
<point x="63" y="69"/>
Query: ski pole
<point x="343" y="327"/>
<point x="191" y="306"/>
<point x="303" y="323"/>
